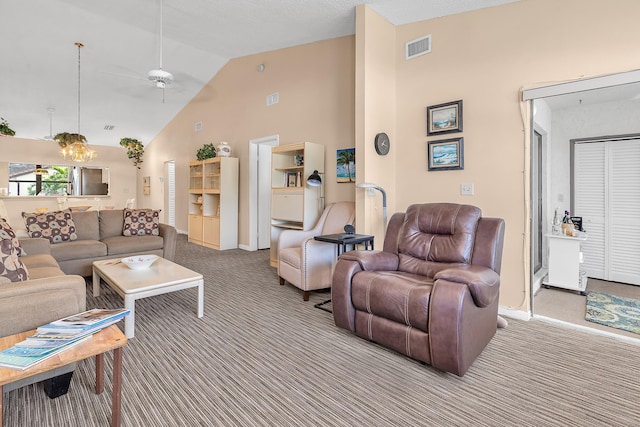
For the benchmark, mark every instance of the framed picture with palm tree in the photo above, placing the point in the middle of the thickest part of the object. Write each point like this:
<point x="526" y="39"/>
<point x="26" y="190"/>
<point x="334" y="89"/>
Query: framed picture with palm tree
<point x="346" y="165"/>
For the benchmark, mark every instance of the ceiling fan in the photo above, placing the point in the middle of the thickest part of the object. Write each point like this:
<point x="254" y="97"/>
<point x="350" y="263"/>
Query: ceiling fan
<point x="160" y="77"/>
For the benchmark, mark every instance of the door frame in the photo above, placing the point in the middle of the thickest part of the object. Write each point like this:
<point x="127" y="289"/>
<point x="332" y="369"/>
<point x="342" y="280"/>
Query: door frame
<point x="254" y="197"/>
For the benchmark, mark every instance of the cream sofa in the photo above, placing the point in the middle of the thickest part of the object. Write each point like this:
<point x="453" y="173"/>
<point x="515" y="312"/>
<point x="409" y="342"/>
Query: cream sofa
<point x="56" y="288"/>
<point x="100" y="237"/>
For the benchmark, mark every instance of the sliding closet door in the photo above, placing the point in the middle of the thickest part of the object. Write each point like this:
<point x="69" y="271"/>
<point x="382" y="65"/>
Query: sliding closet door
<point x="623" y="234"/>
<point x="607" y="196"/>
<point x="589" y="203"/>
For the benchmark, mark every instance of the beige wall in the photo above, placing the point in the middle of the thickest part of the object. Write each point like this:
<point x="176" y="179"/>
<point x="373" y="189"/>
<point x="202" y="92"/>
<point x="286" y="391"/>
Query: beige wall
<point x="375" y="113"/>
<point x="335" y="91"/>
<point x="484" y="58"/>
<point x="316" y="87"/>
<point x="21" y="150"/>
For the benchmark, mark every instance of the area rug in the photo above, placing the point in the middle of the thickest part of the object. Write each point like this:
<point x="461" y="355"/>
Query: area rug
<point x="616" y="312"/>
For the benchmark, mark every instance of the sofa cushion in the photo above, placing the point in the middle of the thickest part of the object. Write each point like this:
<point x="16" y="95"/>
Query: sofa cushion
<point x="39" y="260"/>
<point x="56" y="226"/>
<point x="111" y="222"/>
<point x="125" y="245"/>
<point x="79" y="249"/>
<point x="6" y="232"/>
<point x="45" y="272"/>
<point x="141" y="222"/>
<point x="87" y="226"/>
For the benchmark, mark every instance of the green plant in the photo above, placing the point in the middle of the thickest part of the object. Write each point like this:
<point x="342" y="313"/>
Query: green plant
<point x="65" y="138"/>
<point x="206" y="152"/>
<point x="135" y="150"/>
<point x="5" y="129"/>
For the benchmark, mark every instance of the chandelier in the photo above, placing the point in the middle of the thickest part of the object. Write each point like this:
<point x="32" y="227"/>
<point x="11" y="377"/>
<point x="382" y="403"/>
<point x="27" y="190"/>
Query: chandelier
<point x="74" y="146"/>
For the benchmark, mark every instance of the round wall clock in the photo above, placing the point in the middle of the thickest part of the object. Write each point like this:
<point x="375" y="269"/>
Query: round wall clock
<point x="382" y="144"/>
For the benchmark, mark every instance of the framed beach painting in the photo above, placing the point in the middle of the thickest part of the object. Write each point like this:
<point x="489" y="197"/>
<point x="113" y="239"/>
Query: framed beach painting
<point x="346" y="165"/>
<point x="445" y="154"/>
<point x="444" y="118"/>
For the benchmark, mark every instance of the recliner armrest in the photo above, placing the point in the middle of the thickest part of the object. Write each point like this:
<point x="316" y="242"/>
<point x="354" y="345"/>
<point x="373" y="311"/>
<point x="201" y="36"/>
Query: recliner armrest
<point x="373" y="260"/>
<point x="483" y="283"/>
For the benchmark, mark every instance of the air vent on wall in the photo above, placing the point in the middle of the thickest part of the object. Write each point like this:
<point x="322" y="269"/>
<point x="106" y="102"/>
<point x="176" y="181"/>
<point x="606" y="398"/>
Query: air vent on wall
<point x="418" y="47"/>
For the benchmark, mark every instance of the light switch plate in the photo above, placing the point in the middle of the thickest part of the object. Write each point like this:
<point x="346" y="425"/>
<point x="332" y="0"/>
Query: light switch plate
<point x="466" y="189"/>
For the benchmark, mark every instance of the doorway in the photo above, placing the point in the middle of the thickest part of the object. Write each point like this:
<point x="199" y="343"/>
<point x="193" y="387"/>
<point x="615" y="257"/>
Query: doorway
<point x="260" y="191"/>
<point x="575" y="110"/>
<point x="170" y="192"/>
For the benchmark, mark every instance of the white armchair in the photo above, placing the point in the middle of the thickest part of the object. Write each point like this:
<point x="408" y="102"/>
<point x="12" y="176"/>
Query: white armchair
<point x="307" y="263"/>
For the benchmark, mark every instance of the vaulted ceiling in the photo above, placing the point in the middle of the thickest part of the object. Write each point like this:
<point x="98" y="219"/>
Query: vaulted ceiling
<point x="39" y="66"/>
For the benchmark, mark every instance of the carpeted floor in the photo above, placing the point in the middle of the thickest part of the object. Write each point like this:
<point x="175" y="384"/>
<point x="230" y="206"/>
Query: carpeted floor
<point x="261" y="356"/>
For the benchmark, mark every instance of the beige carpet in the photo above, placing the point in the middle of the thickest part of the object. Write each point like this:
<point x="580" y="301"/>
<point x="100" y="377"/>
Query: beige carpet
<point x="261" y="356"/>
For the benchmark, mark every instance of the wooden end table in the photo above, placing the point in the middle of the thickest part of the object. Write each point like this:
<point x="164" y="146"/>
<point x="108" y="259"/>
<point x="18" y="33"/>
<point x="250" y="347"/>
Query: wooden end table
<point x="343" y="241"/>
<point x="110" y="338"/>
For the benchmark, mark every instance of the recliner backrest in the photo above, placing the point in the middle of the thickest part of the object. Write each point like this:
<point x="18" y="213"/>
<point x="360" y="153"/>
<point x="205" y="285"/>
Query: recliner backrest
<point x="434" y="236"/>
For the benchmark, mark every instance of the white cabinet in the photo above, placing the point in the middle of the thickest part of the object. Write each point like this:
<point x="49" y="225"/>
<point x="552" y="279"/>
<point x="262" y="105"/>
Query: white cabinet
<point x="213" y="202"/>
<point x="565" y="257"/>
<point x="294" y="205"/>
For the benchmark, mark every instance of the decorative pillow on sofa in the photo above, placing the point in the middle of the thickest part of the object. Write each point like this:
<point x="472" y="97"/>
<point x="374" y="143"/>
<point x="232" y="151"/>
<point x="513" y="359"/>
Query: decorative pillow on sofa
<point x="141" y="222"/>
<point x="6" y="232"/>
<point x="56" y="226"/>
<point x="11" y="266"/>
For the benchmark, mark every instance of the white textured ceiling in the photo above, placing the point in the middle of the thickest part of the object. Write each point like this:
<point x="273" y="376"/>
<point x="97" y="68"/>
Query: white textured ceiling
<point x="121" y="39"/>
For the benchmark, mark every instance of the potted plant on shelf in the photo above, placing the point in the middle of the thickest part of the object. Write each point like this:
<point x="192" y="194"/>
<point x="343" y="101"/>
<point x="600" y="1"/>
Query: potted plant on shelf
<point x="5" y="129"/>
<point x="135" y="150"/>
<point x="207" y="151"/>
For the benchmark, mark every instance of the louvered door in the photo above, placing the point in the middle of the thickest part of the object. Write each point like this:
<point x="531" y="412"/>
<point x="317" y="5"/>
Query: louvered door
<point x="607" y="196"/>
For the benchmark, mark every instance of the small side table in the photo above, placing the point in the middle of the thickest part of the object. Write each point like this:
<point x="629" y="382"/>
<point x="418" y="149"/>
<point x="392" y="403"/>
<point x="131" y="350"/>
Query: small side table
<point x="344" y="240"/>
<point x="105" y="340"/>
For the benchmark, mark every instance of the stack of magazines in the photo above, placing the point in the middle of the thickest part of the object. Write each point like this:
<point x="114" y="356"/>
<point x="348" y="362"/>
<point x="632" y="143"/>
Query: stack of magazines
<point x="57" y="336"/>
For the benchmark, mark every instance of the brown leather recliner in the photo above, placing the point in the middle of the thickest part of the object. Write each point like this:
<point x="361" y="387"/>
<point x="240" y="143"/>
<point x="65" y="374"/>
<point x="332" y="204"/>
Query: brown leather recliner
<point x="432" y="292"/>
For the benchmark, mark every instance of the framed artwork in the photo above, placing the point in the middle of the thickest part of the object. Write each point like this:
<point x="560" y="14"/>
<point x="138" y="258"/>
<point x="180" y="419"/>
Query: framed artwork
<point x="445" y="154"/>
<point x="292" y="179"/>
<point x="346" y="165"/>
<point x="146" y="185"/>
<point x="444" y="118"/>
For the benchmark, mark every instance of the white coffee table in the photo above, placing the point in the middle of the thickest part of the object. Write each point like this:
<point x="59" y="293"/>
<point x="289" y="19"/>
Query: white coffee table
<point x="162" y="277"/>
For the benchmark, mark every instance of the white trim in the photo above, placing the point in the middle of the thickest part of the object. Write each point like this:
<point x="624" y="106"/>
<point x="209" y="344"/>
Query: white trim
<point x="514" y="314"/>
<point x="582" y="328"/>
<point x="273" y="140"/>
<point x="582" y="84"/>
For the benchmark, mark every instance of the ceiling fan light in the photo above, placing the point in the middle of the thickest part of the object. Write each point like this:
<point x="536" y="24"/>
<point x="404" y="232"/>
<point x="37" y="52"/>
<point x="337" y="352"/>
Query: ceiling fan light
<point x="160" y="76"/>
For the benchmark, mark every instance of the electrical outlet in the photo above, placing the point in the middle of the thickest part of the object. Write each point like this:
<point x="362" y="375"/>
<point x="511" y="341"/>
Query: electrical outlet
<point x="466" y="189"/>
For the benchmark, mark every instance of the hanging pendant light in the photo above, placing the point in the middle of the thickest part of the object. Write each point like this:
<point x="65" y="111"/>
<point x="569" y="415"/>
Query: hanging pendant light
<point x="74" y="146"/>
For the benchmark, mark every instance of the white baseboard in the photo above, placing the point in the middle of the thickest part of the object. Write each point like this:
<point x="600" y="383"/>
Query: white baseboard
<point x="244" y="247"/>
<point x="568" y="325"/>
<point x="514" y="314"/>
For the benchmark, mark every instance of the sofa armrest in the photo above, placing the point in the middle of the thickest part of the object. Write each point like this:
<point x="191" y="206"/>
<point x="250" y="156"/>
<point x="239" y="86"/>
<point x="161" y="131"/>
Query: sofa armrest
<point x="373" y="260"/>
<point x="169" y="236"/>
<point x="36" y="246"/>
<point x="32" y="303"/>
<point x="483" y="283"/>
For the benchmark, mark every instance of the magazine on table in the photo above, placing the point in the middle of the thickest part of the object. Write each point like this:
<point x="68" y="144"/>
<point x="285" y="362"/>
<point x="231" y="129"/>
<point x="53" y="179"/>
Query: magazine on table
<point x="85" y="322"/>
<point x="54" y="337"/>
<point x="22" y="362"/>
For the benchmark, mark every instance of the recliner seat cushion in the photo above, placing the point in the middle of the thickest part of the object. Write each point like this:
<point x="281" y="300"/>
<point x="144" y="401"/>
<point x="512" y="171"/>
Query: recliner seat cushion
<point x="398" y="296"/>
